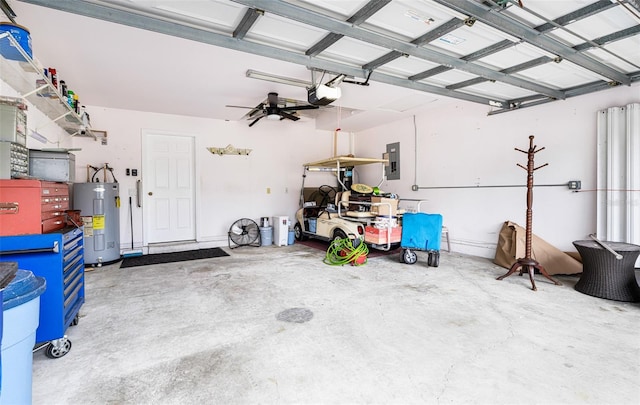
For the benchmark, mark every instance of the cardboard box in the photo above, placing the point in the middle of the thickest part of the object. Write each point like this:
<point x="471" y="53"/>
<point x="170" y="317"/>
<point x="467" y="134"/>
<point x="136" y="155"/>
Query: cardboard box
<point x="383" y="209"/>
<point x="379" y="236"/>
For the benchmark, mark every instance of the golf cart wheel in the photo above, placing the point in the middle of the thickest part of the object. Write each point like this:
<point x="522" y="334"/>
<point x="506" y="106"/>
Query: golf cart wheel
<point x="409" y="256"/>
<point x="58" y="348"/>
<point x="338" y="234"/>
<point x="297" y="231"/>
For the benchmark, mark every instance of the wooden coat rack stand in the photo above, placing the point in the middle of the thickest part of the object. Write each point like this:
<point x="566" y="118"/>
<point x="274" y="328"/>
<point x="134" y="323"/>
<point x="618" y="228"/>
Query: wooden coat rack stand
<point x="527" y="263"/>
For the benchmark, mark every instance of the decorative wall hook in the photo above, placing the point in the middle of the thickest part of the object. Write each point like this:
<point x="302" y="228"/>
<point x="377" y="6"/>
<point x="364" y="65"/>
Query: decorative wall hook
<point x="229" y="150"/>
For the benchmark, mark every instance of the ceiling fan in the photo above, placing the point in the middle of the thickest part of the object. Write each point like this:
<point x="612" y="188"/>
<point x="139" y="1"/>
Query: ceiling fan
<point x="273" y="111"/>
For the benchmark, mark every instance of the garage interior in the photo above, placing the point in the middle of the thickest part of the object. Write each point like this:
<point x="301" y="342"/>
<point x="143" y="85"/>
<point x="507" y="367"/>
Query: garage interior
<point x="454" y="87"/>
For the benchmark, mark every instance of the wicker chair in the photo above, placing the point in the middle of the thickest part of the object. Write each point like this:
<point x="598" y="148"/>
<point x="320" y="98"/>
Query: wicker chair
<point x="603" y="275"/>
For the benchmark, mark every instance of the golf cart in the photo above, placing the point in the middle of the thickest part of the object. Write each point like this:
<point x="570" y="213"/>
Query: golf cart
<point x="329" y="213"/>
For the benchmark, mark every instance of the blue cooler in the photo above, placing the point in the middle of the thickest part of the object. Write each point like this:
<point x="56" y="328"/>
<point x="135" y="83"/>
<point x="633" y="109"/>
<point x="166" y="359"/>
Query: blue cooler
<point x="21" y="35"/>
<point x="20" y="312"/>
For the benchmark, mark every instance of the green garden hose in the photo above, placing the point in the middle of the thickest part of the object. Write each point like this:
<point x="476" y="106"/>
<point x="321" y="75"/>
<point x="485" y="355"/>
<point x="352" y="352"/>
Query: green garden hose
<point x="341" y="251"/>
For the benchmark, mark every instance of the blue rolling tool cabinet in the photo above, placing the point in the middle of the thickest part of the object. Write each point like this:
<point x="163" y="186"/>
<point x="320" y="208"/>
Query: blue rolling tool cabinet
<point x="59" y="258"/>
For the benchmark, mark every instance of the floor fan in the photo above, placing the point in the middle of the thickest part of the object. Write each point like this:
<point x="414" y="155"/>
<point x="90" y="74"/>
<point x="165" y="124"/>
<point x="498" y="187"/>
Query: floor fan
<point x="244" y="232"/>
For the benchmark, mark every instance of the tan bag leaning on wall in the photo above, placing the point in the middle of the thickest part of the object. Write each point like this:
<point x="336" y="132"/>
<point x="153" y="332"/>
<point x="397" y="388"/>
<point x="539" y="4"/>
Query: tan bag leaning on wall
<point x="511" y="247"/>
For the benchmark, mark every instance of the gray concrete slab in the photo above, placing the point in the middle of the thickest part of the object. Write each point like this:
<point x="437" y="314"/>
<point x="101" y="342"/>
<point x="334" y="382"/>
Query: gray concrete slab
<point x="207" y="331"/>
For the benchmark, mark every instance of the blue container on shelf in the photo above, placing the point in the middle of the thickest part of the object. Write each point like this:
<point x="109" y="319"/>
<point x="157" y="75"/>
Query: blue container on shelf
<point x="20" y="312"/>
<point x="21" y="35"/>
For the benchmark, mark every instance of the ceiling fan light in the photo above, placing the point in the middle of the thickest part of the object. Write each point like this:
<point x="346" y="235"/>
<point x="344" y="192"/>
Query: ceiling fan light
<point x="273" y="117"/>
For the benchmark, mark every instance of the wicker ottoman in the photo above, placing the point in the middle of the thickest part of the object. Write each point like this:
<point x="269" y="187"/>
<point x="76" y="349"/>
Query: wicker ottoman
<point x="603" y="275"/>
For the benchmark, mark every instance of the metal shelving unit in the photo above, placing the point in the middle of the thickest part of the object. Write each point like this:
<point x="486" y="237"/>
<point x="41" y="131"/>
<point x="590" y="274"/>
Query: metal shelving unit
<point x="28" y="80"/>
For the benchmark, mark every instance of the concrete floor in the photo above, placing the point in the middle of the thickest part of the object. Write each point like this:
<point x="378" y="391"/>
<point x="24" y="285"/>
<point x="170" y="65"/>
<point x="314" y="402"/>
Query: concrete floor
<point x="206" y="332"/>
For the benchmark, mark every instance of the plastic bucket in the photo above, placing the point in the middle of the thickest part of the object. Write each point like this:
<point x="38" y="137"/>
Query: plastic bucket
<point x="266" y="235"/>
<point x="312" y="225"/>
<point x="20" y="312"/>
<point x="21" y="35"/>
<point x="292" y="237"/>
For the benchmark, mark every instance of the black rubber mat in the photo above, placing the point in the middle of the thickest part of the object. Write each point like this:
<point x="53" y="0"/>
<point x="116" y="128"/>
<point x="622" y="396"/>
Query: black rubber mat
<point x="172" y="257"/>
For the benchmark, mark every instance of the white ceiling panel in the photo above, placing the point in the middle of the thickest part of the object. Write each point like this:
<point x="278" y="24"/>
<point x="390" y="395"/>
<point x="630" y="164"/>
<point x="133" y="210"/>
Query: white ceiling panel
<point x="342" y="8"/>
<point x="603" y="23"/>
<point x="466" y="40"/>
<point x="223" y="15"/>
<point x="561" y="75"/>
<point x="407" y="66"/>
<point x="354" y="51"/>
<point x="284" y="33"/>
<point x="449" y="77"/>
<point x="631" y="64"/>
<point x="514" y="55"/>
<point x="409" y="19"/>
<point x="499" y="91"/>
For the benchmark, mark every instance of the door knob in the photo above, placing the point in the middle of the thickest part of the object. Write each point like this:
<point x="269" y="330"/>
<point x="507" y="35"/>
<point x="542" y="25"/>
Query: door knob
<point x="150" y="192"/>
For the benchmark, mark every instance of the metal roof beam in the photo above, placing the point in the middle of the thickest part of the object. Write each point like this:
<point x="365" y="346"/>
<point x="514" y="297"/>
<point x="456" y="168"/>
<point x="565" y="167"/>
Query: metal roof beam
<point x="308" y="17"/>
<point x="382" y="60"/>
<point x="431" y="72"/>
<point x="360" y="16"/>
<point x="247" y="22"/>
<point x="505" y="23"/>
<point x="437" y="32"/>
<point x="605" y="39"/>
<point x="163" y="26"/>
<point x="481" y="53"/>
<point x="366" y="11"/>
<point x="532" y="101"/>
<point x="330" y="39"/>
<point x="577" y="15"/>
<point x="513" y="69"/>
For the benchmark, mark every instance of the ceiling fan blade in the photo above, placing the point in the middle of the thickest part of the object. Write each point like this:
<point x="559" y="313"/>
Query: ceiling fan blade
<point x="239" y="106"/>
<point x="300" y="107"/>
<point x="289" y="116"/>
<point x="256" y="120"/>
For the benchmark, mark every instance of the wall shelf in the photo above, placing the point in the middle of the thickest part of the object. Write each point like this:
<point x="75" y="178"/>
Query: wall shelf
<point x="29" y="81"/>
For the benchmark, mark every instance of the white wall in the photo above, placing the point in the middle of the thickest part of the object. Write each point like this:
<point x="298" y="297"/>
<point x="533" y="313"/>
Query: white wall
<point x="227" y="187"/>
<point x="460" y="145"/>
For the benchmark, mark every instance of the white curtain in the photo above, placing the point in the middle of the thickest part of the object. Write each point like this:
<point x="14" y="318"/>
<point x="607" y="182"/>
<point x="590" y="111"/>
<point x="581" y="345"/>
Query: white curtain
<point x="618" y="181"/>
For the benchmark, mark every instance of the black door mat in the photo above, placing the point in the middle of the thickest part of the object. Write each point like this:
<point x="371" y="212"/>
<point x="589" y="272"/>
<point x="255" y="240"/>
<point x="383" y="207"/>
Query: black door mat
<point x="172" y="257"/>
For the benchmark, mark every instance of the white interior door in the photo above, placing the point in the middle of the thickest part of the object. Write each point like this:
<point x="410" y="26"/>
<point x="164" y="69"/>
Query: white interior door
<point x="168" y="187"/>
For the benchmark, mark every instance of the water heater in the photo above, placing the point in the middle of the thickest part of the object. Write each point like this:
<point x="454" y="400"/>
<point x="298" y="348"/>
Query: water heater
<point x="99" y="204"/>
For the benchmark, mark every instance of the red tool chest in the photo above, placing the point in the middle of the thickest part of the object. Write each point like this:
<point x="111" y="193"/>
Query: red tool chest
<point x="32" y="206"/>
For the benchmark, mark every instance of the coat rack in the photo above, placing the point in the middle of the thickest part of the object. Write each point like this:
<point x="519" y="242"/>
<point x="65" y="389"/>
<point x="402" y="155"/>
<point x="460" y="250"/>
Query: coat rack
<point x="527" y="263"/>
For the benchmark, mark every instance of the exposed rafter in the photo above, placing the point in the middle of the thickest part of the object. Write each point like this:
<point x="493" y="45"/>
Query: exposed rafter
<point x="147" y="22"/>
<point x="306" y="16"/>
<point x="577" y="15"/>
<point x="369" y="9"/>
<point x="513" y="69"/>
<point x="499" y="21"/>
<point x="605" y="39"/>
<point x="247" y="22"/>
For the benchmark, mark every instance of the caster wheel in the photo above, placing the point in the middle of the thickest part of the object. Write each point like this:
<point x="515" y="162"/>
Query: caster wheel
<point x="409" y="256"/>
<point x="436" y="259"/>
<point x="75" y="320"/>
<point x="58" y="348"/>
<point x="430" y="259"/>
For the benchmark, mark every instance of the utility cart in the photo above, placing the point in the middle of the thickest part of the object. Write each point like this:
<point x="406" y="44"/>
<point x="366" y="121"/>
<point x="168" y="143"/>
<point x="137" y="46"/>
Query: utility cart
<point x="421" y="231"/>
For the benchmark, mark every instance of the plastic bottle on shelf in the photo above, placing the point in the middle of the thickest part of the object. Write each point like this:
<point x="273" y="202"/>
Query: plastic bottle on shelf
<point x="54" y="77"/>
<point x="76" y="104"/>
<point x="70" y="98"/>
<point x="63" y="88"/>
